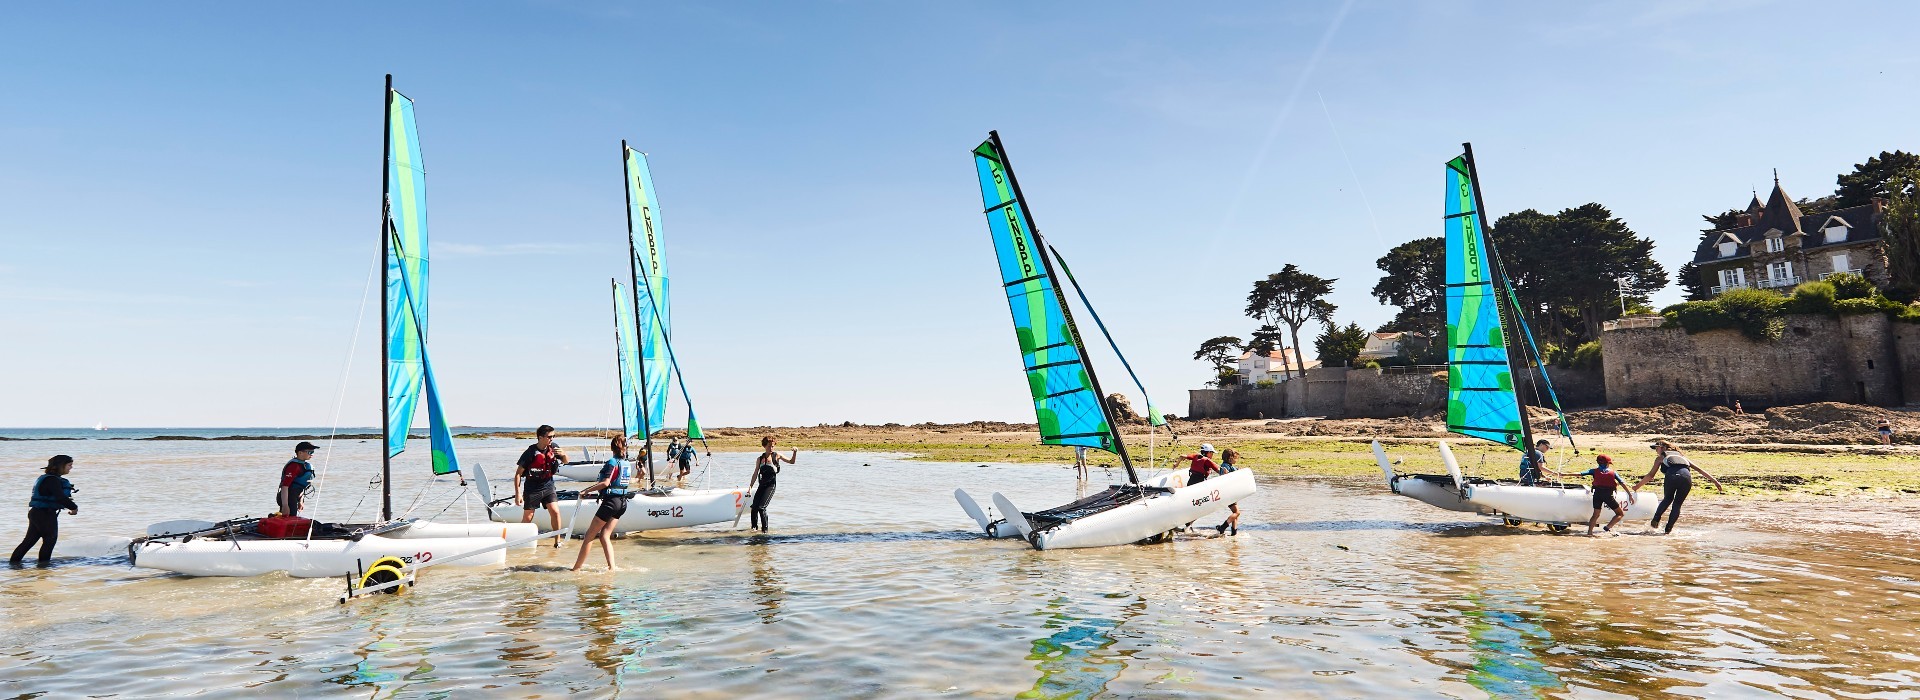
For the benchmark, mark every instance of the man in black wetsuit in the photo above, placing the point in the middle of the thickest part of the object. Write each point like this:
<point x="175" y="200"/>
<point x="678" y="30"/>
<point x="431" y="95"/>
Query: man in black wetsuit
<point x="533" y="478"/>
<point x="51" y="494"/>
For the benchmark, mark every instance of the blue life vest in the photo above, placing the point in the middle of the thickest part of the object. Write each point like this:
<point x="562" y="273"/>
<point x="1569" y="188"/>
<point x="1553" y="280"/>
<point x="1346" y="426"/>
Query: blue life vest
<point x="617" y="480"/>
<point x="55" y="502"/>
<point x="300" y="482"/>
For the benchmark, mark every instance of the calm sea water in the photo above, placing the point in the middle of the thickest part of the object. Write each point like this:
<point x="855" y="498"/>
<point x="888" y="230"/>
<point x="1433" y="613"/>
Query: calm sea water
<point x="872" y="585"/>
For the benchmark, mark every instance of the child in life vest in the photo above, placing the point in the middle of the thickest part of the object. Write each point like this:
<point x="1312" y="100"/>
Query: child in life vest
<point x="1605" y="482"/>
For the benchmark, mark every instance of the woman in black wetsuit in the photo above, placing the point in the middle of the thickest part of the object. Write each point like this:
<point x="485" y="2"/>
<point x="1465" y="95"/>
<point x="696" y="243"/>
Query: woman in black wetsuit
<point x="51" y="494"/>
<point x="1678" y="472"/>
<point x="766" y="472"/>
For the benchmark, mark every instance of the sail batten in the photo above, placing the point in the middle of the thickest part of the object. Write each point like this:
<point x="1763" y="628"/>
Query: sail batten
<point x="1067" y="404"/>
<point x="1481" y="401"/>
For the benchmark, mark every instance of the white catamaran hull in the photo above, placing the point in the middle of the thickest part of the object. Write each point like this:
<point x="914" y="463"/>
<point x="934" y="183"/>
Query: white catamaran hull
<point x="1553" y="505"/>
<point x="1155" y="514"/>
<point x="676" y="508"/>
<point x="307" y="558"/>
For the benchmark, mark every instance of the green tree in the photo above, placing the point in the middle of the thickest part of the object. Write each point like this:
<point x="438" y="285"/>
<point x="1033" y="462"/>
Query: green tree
<point x="1415" y="281"/>
<point x="1291" y="297"/>
<point x="1220" y="352"/>
<point x="1691" y="280"/>
<point x="1903" y="235"/>
<point x="1339" y="346"/>
<point x="1874" y="178"/>
<point x="1564" y="268"/>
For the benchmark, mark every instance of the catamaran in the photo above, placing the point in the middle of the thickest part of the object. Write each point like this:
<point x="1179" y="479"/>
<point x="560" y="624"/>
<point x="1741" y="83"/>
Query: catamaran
<point x="251" y="546"/>
<point x="1488" y="345"/>
<point x="1067" y="401"/>
<point x="647" y="366"/>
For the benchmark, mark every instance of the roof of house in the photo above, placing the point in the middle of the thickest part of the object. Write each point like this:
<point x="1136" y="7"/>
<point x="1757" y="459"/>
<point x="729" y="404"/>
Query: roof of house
<point x="1781" y="214"/>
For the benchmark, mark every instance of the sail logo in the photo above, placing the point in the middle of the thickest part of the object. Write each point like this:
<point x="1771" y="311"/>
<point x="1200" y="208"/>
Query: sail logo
<point x="1209" y="498"/>
<point x="1020" y="248"/>
<point x="1472" y="252"/>
<point x="653" y="246"/>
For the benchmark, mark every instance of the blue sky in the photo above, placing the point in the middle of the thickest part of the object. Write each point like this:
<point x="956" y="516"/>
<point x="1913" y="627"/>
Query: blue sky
<point x="189" y="192"/>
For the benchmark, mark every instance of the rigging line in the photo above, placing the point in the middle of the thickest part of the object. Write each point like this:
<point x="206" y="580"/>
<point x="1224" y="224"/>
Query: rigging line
<point x="346" y="371"/>
<point x="679" y="376"/>
<point x="1151" y="411"/>
<point x="1371" y="219"/>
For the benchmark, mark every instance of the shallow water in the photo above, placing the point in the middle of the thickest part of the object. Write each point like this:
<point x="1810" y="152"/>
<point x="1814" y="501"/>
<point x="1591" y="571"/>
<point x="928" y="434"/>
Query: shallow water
<point x="872" y="585"/>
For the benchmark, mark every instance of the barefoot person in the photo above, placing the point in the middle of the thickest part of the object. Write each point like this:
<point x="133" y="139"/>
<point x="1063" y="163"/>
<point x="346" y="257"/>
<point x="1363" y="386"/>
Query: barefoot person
<point x="1228" y="462"/>
<point x="533" y="479"/>
<point x="766" y="472"/>
<point x="1202" y="465"/>
<point x="613" y="503"/>
<point x="51" y="494"/>
<point x="685" y="459"/>
<point x="1677" y="471"/>
<point x="1605" y="482"/>
<point x="1080" y="462"/>
<point x="294" y="479"/>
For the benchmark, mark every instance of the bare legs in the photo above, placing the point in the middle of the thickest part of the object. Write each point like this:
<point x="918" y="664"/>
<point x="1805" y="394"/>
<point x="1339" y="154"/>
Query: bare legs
<point x="601" y="530"/>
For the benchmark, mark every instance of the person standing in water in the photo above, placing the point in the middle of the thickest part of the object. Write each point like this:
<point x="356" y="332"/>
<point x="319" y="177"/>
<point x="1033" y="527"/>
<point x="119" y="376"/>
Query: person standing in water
<point x="1202" y="465"/>
<point x="685" y="460"/>
<point x="613" y="502"/>
<point x="1228" y="461"/>
<point x="1080" y="462"/>
<point x="1605" y="482"/>
<point x="51" y="493"/>
<point x="1677" y="471"/>
<point x="295" y="477"/>
<point x="1535" y="463"/>
<point x="766" y="473"/>
<point x="533" y="479"/>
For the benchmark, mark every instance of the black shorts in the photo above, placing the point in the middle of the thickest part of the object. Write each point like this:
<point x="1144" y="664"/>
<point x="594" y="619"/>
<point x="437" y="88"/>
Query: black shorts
<point x="536" y="498"/>
<point x="611" y="507"/>
<point x="1604" y="498"/>
<point x="1197" y="477"/>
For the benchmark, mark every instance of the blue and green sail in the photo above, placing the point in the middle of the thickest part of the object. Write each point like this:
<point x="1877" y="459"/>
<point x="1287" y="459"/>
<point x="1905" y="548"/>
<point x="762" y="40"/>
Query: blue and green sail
<point x="409" y="375"/>
<point x="650" y="287"/>
<point x="627" y="349"/>
<point x="1481" y="401"/>
<point x="1067" y="407"/>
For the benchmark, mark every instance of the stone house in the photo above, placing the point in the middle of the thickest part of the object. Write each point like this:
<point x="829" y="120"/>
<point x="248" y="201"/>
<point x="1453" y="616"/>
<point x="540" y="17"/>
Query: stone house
<point x="1271" y="367"/>
<point x="1775" y="246"/>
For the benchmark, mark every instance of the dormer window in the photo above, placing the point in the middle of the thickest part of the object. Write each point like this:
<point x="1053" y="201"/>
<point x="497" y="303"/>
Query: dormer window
<point x="1836" y="234"/>
<point x="1727" y="249"/>
<point x="1775" y="244"/>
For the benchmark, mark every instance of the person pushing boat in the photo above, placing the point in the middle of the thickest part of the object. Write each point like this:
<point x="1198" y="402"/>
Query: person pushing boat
<point x="295" y="478"/>
<point x="533" y="478"/>
<point x="766" y="473"/>
<point x="1606" y="482"/>
<point x="612" y="486"/>
<point x="1677" y="472"/>
<point x="1228" y="463"/>
<point x="51" y="494"/>
<point x="1534" y="464"/>
<point x="1201" y="465"/>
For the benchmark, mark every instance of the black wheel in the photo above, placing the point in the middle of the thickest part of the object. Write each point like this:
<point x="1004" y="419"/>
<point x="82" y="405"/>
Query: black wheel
<point x="1510" y="522"/>
<point x="1556" y="528"/>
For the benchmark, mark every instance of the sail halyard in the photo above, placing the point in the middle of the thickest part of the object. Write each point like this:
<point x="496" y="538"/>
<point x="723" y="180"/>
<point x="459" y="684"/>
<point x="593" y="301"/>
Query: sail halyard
<point x="1153" y="414"/>
<point x="1069" y="406"/>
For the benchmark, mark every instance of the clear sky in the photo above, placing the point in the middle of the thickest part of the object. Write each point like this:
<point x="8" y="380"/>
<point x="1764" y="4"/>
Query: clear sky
<point x="189" y="192"/>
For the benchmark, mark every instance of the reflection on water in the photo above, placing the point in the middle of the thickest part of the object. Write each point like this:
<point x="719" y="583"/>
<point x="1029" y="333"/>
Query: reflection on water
<point x="1074" y="661"/>
<point x="1330" y="590"/>
<point x="1504" y="640"/>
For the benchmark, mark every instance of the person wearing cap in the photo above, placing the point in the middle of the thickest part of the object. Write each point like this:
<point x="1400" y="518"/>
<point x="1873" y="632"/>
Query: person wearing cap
<point x="1202" y="465"/>
<point x="294" y="479"/>
<point x="51" y="493"/>
<point x="1605" y="482"/>
<point x="1534" y="464"/>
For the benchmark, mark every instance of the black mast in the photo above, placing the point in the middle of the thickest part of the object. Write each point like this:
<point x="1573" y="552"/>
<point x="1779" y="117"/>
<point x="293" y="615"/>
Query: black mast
<point x="633" y="269"/>
<point x="1080" y="346"/>
<point x="1501" y="300"/>
<point x="386" y="215"/>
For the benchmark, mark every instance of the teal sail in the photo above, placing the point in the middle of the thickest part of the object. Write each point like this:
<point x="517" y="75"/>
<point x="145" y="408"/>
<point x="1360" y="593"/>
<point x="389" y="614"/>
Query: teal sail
<point x="1066" y="402"/>
<point x="627" y="352"/>
<point x="439" y="436"/>
<point x="650" y="289"/>
<point x="1481" y="401"/>
<point x="406" y="266"/>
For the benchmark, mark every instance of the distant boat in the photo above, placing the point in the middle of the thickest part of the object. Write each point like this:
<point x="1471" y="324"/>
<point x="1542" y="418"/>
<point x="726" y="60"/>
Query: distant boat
<point x="100" y="426"/>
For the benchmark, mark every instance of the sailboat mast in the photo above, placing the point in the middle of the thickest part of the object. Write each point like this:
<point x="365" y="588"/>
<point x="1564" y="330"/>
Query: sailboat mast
<point x="1079" y="345"/>
<point x="1501" y="298"/>
<point x="633" y="269"/>
<point x="386" y="214"/>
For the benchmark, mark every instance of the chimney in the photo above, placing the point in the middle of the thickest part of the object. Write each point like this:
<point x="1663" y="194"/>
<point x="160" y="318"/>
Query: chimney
<point x="1879" y="205"/>
<point x="1744" y="220"/>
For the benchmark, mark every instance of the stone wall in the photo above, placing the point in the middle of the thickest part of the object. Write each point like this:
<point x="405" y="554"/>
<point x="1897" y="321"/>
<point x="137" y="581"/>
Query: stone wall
<point x="1236" y="402"/>
<point x="1819" y="358"/>
<point x="1906" y="351"/>
<point x="1579" y="388"/>
<point x="1374" y="393"/>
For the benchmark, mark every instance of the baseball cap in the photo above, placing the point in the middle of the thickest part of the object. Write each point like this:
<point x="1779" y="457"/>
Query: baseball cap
<point x="1206" y="447"/>
<point x="305" y="446"/>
